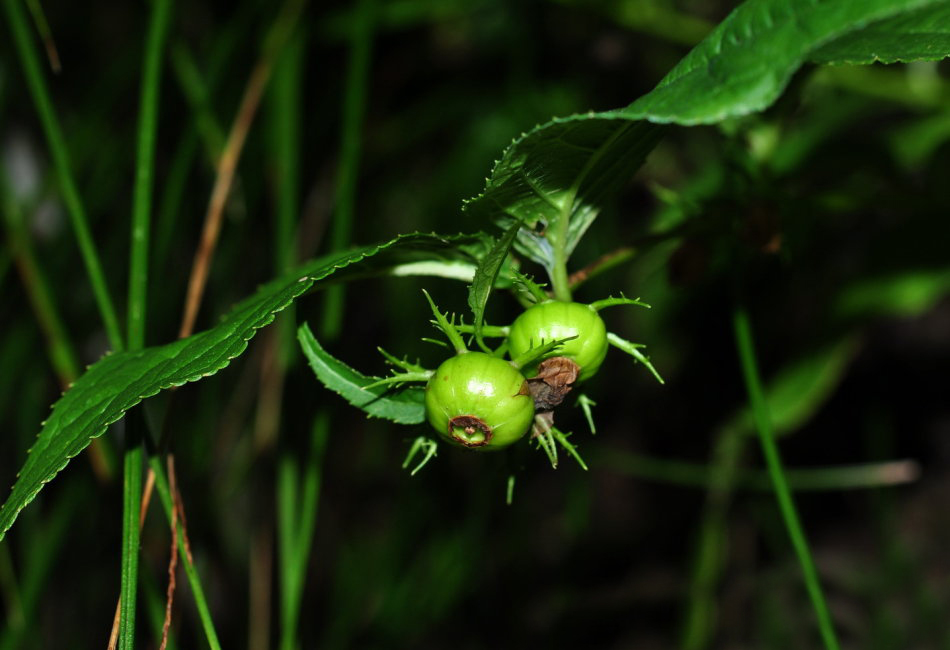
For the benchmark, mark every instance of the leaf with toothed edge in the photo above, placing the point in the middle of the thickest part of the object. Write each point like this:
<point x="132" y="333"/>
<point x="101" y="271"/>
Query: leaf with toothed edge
<point x="402" y="406"/>
<point x="119" y="381"/>
<point x="568" y="167"/>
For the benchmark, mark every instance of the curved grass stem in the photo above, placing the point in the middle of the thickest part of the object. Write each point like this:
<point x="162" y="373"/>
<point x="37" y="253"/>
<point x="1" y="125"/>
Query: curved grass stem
<point x="32" y="72"/>
<point x="760" y="409"/>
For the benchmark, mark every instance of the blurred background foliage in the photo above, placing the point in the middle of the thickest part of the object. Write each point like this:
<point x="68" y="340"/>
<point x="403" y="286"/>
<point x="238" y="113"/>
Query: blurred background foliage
<point x="827" y="214"/>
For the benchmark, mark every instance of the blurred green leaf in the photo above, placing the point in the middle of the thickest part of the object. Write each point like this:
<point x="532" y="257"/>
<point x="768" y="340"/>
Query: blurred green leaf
<point x="403" y="406"/>
<point x="796" y="393"/>
<point x="118" y="382"/>
<point x="907" y="293"/>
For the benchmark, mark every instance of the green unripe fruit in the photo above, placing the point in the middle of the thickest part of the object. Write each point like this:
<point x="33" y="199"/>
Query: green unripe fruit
<point x="479" y="401"/>
<point x="551" y="320"/>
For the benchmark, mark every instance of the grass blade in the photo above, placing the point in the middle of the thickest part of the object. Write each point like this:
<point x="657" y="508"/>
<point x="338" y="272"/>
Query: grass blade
<point x="750" y="372"/>
<point x="138" y="288"/>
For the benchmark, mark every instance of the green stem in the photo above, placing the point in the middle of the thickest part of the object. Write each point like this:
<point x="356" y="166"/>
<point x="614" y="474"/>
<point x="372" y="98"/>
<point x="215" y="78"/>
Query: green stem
<point x="145" y="171"/>
<point x="750" y="371"/>
<point x="285" y="128"/>
<point x="560" y="231"/>
<point x="131" y="498"/>
<point x="32" y="72"/>
<point x="354" y="107"/>
<point x="488" y="331"/>
<point x="196" y="90"/>
<point x="138" y="288"/>
<point x="197" y="591"/>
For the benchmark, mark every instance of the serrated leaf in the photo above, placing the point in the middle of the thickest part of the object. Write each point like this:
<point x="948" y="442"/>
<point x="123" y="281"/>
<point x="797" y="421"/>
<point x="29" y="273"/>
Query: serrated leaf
<point x="921" y="35"/>
<point x="486" y="275"/>
<point x="568" y="167"/>
<point x="116" y="383"/>
<point x="404" y="406"/>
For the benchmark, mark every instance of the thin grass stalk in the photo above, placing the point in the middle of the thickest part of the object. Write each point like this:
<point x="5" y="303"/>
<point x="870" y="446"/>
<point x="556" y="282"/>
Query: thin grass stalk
<point x="197" y="92"/>
<point x="138" y="289"/>
<point x="131" y="529"/>
<point x="354" y="109"/>
<point x="145" y="172"/>
<point x="32" y="72"/>
<point x="760" y="409"/>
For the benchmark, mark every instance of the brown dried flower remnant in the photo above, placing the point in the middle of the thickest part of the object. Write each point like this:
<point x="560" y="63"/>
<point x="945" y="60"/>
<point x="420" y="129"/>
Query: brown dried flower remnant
<point x="555" y="379"/>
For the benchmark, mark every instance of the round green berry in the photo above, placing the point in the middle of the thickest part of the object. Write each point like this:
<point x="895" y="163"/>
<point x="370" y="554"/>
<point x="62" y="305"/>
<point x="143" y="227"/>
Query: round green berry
<point x="551" y="320"/>
<point x="479" y="401"/>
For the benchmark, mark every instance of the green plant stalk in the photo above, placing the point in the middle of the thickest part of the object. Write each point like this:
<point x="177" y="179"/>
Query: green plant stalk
<point x="194" y="581"/>
<point x="169" y="205"/>
<point x="750" y="372"/>
<point x="145" y="171"/>
<point x="354" y="108"/>
<point x="560" y="281"/>
<point x="138" y="293"/>
<point x="32" y="72"/>
<point x="131" y="498"/>
<point x="196" y="91"/>
<point x="285" y="129"/>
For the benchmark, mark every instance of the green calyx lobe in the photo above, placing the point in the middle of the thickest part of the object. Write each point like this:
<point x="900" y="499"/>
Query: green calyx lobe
<point x="479" y="401"/>
<point x="554" y="319"/>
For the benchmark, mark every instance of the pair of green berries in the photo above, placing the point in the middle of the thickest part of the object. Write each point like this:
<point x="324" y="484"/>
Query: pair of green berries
<point x="481" y="401"/>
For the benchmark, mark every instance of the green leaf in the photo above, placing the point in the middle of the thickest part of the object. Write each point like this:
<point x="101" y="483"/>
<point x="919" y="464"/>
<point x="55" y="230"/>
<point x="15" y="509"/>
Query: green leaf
<point x="118" y="382"/>
<point x="404" y="406"/>
<point x="485" y="277"/>
<point x="567" y="168"/>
